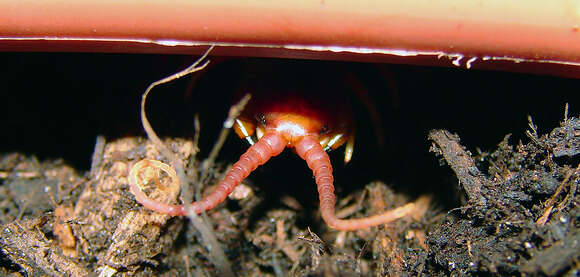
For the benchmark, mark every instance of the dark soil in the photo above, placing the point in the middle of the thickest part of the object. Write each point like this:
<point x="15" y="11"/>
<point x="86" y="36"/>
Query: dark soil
<point x="512" y="210"/>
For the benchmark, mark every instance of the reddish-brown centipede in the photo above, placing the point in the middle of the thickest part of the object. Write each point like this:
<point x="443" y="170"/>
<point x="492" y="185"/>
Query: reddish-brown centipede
<point x="311" y="122"/>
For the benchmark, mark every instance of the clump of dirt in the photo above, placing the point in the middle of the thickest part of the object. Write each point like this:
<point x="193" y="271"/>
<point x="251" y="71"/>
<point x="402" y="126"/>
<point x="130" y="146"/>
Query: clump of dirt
<point x="520" y="216"/>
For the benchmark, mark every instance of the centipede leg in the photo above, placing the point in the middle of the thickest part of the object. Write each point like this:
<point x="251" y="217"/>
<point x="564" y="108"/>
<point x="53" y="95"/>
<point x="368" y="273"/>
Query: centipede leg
<point x="270" y="145"/>
<point x="318" y="161"/>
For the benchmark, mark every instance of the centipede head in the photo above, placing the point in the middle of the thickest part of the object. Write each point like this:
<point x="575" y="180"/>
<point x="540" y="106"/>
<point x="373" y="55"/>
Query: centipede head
<point x="294" y="115"/>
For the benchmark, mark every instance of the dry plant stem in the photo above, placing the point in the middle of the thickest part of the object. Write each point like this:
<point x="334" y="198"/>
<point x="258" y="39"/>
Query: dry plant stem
<point x="195" y="176"/>
<point x="146" y="125"/>
<point x="471" y="179"/>
<point x="550" y="203"/>
<point x="197" y="130"/>
<point x="177" y="164"/>
<point x="97" y="158"/>
<point x="233" y="113"/>
<point x="217" y="255"/>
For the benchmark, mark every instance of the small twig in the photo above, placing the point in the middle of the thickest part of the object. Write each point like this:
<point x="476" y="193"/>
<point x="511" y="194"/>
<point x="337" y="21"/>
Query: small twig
<point x="277" y="268"/>
<point x="208" y="163"/>
<point x="362" y="251"/>
<point x="196" y="135"/>
<point x="533" y="135"/>
<point x="281" y="244"/>
<point x="218" y="256"/>
<point x="571" y="193"/>
<point x="186" y="261"/>
<point x="533" y="126"/>
<point x="22" y="210"/>
<point x="234" y="112"/>
<point x="469" y="249"/>
<point x="216" y="252"/>
<point x="462" y="209"/>
<point x="317" y="247"/>
<point x="550" y="203"/>
<point x="566" y="113"/>
<point x="314" y="239"/>
<point x="186" y="193"/>
<point x="461" y="162"/>
<point x="97" y="159"/>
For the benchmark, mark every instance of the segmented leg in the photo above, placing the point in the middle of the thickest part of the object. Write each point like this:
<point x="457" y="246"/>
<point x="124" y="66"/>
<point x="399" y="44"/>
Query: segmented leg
<point x="270" y="145"/>
<point x="318" y="161"/>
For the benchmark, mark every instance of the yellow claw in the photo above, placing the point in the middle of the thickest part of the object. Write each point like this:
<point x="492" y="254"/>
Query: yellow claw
<point x="349" y="149"/>
<point x="333" y="142"/>
<point x="245" y="130"/>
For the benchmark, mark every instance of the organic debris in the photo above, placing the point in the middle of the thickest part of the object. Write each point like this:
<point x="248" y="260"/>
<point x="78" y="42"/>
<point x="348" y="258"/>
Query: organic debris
<point x="522" y="217"/>
<point x="108" y="232"/>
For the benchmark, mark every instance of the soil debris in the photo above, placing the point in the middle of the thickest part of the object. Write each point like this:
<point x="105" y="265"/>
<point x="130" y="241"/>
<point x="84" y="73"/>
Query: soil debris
<point x="520" y="216"/>
<point x="27" y="246"/>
